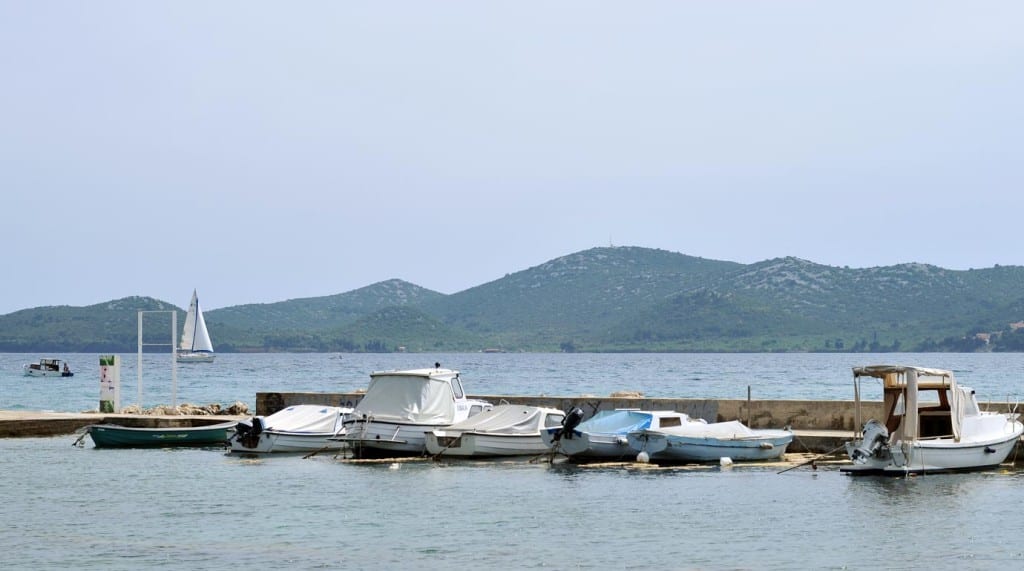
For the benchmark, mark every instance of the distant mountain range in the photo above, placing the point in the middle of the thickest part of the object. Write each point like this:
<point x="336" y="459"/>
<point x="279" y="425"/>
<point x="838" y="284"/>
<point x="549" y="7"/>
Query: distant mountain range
<point x="602" y="299"/>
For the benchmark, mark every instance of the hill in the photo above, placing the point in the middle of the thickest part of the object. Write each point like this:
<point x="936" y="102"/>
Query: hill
<point x="601" y="299"/>
<point x="576" y="296"/>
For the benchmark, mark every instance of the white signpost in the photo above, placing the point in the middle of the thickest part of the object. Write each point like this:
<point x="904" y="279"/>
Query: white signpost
<point x="110" y="383"/>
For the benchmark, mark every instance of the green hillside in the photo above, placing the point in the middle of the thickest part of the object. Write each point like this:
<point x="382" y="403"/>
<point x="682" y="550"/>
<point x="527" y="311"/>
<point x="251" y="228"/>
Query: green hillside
<point x="580" y="295"/>
<point x="601" y="299"/>
<point x="110" y="326"/>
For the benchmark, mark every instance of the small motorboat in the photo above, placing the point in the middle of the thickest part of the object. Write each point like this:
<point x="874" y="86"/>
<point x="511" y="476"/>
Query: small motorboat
<point x="401" y="407"/>
<point x="929" y="424"/>
<point x="117" y="436"/>
<point x="605" y="435"/>
<point x="505" y="430"/>
<point x="299" y="428"/>
<point x="48" y="368"/>
<point x="699" y="441"/>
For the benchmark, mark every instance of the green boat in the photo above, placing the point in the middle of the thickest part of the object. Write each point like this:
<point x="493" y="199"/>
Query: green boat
<point x="117" y="436"/>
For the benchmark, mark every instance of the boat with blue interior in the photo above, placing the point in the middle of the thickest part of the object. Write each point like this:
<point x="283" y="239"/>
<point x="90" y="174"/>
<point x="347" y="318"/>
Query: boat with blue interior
<point x="605" y="435"/>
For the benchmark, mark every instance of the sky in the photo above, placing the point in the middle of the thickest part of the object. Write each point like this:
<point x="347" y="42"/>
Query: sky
<point x="263" y="151"/>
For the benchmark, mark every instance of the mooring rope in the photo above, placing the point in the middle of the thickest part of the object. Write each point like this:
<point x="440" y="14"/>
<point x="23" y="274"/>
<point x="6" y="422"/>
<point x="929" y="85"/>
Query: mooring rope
<point x="815" y="459"/>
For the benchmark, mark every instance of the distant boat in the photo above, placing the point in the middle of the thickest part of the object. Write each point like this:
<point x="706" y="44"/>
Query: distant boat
<point x="48" y="368"/>
<point x="195" y="346"/>
<point x="117" y="436"/>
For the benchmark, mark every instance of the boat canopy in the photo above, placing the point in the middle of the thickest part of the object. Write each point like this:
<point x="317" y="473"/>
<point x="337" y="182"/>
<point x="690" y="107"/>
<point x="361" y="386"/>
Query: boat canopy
<point x="505" y="419"/>
<point x="306" y="418"/>
<point x="895" y="375"/>
<point x="422" y="396"/>
<point x="616" y="422"/>
<point x="902" y="383"/>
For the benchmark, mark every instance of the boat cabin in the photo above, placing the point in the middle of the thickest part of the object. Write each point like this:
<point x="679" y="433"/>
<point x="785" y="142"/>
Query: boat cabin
<point x="48" y="368"/>
<point x="918" y="403"/>
<point x="423" y="396"/>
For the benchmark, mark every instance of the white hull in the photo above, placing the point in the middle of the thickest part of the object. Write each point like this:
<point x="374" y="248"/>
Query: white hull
<point x="289" y="442"/>
<point x="767" y="445"/>
<point x="607" y="446"/>
<point x="469" y="444"/>
<point x="37" y="373"/>
<point x="377" y="436"/>
<point x="939" y="455"/>
<point x="188" y="357"/>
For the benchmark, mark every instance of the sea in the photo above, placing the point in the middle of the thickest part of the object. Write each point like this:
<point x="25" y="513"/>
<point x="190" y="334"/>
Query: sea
<point x="78" y="507"/>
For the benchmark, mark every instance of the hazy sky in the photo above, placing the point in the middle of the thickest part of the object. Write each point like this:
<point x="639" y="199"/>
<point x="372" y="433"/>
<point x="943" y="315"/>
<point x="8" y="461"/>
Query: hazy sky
<point x="262" y="151"/>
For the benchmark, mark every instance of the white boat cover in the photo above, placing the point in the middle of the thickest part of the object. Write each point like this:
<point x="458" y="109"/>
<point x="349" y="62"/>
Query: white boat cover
<point x="722" y="430"/>
<point x="615" y="422"/>
<point x="421" y="397"/>
<point x="504" y="419"/>
<point x="307" y="418"/>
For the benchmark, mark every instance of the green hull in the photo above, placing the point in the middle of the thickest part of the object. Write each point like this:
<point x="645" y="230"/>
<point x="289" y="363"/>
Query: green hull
<point x="116" y="436"/>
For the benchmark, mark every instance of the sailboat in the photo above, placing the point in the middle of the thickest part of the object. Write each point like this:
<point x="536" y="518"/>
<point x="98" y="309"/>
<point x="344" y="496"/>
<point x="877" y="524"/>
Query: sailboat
<point x="195" y="346"/>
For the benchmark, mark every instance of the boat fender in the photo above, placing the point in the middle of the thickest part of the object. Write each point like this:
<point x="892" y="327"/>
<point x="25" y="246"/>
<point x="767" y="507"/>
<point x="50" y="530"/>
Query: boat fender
<point x="643" y="457"/>
<point x="571" y="421"/>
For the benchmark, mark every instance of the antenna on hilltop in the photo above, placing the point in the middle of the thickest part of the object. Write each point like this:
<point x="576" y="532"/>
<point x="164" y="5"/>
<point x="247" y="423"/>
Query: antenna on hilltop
<point x="610" y="244"/>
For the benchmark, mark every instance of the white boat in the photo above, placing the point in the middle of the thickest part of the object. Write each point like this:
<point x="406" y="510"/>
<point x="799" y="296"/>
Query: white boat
<point x="605" y="435"/>
<point x="700" y="441"/>
<point x="930" y="424"/>
<point x="505" y="430"/>
<point x="48" y="368"/>
<point x="298" y="428"/>
<point x="401" y="407"/>
<point x="195" y="346"/>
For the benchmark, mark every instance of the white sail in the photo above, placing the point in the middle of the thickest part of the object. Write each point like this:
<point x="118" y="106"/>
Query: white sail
<point x="195" y="337"/>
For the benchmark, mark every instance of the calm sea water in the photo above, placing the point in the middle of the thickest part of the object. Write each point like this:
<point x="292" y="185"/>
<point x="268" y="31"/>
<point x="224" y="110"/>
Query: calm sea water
<point x="66" y="507"/>
<point x="237" y="377"/>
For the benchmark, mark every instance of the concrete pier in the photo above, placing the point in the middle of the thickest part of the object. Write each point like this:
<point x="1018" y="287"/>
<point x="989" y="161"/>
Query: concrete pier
<point x="818" y="426"/>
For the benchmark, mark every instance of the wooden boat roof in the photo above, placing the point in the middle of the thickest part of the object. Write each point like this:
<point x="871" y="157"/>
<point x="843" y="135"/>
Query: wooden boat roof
<point x="894" y="376"/>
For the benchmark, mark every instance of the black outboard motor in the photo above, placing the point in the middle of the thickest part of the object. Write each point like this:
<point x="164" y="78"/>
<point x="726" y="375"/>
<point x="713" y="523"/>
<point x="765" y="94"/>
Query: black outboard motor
<point x="249" y="436"/>
<point x="570" y="422"/>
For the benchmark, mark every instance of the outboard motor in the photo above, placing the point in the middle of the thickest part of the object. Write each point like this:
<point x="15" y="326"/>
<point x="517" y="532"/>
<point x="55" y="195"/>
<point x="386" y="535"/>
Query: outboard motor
<point x="570" y="422"/>
<point x="249" y="436"/>
<point x="875" y="436"/>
